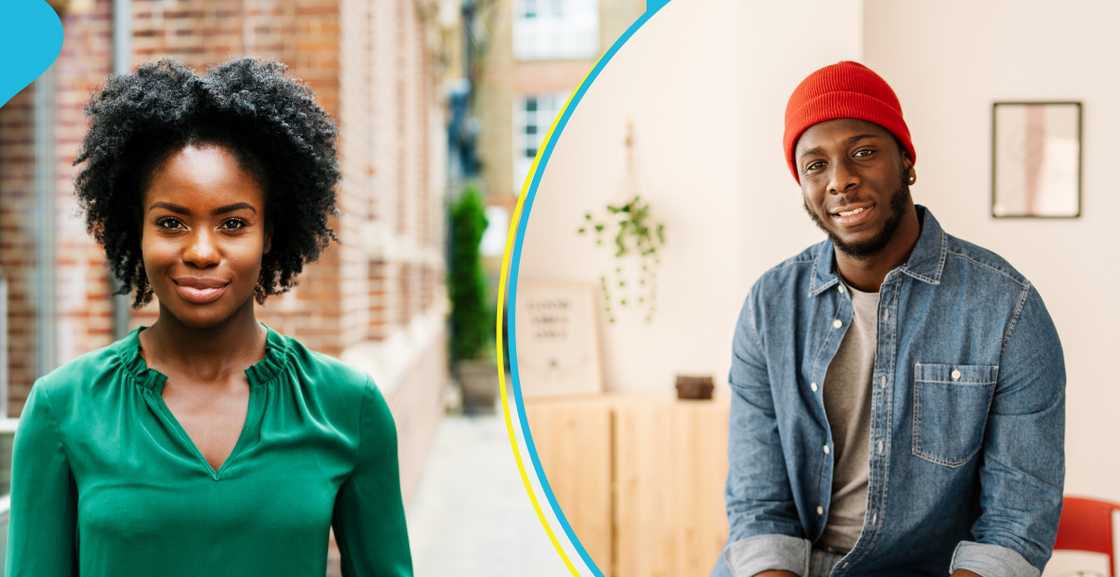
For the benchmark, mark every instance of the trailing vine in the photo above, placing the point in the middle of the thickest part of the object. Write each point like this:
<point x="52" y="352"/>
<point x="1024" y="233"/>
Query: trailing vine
<point x="636" y="241"/>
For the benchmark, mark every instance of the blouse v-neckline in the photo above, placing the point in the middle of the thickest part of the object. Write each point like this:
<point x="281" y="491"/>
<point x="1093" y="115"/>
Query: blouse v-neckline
<point x="152" y="382"/>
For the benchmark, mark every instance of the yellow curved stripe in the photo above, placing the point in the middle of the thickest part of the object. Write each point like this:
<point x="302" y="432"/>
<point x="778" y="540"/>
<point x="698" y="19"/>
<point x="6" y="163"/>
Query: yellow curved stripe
<point x="503" y="283"/>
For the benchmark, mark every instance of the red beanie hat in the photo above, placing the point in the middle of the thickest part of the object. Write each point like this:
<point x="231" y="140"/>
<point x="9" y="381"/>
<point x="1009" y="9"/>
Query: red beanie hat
<point x="843" y="90"/>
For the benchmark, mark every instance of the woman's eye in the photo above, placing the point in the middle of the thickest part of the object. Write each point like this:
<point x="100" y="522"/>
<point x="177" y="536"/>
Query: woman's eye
<point x="234" y="224"/>
<point x="168" y="223"/>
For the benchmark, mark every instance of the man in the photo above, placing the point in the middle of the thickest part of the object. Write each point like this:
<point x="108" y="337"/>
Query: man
<point x="898" y="394"/>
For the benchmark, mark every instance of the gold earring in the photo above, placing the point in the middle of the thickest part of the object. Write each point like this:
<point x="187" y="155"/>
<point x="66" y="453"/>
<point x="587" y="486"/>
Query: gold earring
<point x="913" y="178"/>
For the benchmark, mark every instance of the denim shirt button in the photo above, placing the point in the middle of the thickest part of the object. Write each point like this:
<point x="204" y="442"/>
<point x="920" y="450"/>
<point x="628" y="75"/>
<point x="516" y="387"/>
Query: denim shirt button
<point x="827" y="450"/>
<point x="820" y="510"/>
<point x="813" y="386"/>
<point x="883" y="381"/>
<point x="956" y="375"/>
<point x="837" y="324"/>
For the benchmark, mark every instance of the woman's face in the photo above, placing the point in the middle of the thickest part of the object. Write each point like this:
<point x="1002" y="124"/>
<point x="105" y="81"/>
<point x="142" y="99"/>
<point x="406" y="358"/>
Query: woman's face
<point x="203" y="234"/>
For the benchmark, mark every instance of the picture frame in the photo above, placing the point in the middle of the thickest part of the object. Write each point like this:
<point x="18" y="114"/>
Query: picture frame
<point x="558" y="351"/>
<point x="1037" y="153"/>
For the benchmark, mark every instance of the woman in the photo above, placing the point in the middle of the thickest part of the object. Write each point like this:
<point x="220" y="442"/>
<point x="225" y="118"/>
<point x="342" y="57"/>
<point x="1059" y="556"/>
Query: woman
<point x="207" y="443"/>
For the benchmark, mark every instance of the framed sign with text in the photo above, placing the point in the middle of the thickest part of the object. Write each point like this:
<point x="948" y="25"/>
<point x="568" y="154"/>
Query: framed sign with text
<point x="557" y="339"/>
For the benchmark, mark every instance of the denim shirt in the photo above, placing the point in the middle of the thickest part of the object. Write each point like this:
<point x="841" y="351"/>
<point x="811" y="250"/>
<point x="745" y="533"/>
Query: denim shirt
<point x="967" y="417"/>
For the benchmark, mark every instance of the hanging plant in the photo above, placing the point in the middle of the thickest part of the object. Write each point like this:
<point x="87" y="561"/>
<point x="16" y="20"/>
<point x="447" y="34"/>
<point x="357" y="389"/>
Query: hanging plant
<point x="635" y="241"/>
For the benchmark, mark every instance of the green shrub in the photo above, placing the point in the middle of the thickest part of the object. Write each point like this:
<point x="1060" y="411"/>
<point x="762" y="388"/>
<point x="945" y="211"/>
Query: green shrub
<point x="472" y="320"/>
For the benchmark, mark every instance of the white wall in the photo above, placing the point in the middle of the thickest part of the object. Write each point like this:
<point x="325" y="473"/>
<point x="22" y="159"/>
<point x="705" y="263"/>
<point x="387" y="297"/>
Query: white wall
<point x="948" y="60"/>
<point x="706" y="96"/>
<point x="686" y="159"/>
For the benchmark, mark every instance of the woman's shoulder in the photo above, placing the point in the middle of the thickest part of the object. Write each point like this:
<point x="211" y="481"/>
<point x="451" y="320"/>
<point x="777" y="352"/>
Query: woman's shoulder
<point x="80" y="377"/>
<point x="340" y="389"/>
<point x="329" y="375"/>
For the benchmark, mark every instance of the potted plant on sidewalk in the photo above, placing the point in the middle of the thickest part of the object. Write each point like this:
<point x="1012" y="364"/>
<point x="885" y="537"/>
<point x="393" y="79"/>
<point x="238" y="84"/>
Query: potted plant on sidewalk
<point x="472" y="318"/>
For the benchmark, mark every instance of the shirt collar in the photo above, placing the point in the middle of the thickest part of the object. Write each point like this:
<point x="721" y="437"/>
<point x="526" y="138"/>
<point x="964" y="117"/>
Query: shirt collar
<point x="926" y="262"/>
<point x="277" y="351"/>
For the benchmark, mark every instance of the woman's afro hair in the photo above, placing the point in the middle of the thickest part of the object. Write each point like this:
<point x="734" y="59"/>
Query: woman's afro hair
<point x="268" y="120"/>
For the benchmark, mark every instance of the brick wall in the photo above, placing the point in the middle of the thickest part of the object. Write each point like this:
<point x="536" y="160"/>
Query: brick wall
<point x="17" y="246"/>
<point x="81" y="299"/>
<point x="82" y="303"/>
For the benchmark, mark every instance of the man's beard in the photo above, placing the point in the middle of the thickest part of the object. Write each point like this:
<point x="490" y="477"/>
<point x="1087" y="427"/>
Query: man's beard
<point x="899" y="201"/>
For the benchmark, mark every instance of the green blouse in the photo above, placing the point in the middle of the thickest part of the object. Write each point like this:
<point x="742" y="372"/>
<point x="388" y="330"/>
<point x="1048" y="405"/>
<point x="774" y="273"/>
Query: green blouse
<point x="106" y="482"/>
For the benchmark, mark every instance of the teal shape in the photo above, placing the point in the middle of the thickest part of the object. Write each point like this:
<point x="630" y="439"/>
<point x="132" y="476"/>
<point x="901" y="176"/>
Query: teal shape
<point x="30" y="40"/>
<point x="655" y="5"/>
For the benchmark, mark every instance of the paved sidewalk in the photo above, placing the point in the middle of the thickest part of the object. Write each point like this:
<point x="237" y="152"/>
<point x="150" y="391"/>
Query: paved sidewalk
<point x="470" y="515"/>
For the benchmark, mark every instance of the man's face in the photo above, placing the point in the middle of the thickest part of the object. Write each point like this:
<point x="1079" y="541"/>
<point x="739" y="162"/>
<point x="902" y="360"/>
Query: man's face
<point x="203" y="235"/>
<point x="854" y="179"/>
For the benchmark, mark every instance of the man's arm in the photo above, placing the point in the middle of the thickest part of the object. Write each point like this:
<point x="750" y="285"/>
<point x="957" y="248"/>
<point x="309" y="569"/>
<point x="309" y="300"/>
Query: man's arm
<point x="765" y="533"/>
<point x="1023" y="469"/>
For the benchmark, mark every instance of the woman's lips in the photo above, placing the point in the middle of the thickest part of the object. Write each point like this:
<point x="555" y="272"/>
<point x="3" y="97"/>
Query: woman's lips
<point x="200" y="296"/>
<point x="854" y="219"/>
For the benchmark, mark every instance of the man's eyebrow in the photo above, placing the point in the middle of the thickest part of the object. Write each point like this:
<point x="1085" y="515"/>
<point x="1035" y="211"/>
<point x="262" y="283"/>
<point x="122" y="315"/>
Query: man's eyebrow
<point x="859" y="137"/>
<point x="814" y="150"/>
<point x="184" y="210"/>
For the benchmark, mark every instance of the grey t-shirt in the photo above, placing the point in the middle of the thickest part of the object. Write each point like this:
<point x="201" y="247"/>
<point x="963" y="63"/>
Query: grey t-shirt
<point x="847" y="400"/>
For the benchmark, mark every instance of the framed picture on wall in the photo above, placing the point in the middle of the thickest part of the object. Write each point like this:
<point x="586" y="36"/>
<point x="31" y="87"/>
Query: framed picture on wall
<point x="557" y="339"/>
<point x="1036" y="159"/>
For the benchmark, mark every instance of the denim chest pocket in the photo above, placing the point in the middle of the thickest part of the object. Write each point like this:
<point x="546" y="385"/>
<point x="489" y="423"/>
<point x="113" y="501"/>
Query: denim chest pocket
<point x="951" y="405"/>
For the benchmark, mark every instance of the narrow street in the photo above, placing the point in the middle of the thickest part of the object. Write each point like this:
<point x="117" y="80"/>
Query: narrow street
<point x="470" y="516"/>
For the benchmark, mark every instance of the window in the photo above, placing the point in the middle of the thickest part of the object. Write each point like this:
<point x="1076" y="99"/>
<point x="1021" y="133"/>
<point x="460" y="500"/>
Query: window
<point x="532" y="117"/>
<point x="494" y="239"/>
<point x="556" y="29"/>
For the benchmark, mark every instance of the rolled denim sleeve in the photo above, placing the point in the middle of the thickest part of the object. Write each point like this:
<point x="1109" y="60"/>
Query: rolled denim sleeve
<point x="991" y="560"/>
<point x="765" y="532"/>
<point x="754" y="555"/>
<point x="1023" y="470"/>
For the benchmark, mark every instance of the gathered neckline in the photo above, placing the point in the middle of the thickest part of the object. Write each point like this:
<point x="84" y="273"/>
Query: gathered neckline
<point x="276" y="356"/>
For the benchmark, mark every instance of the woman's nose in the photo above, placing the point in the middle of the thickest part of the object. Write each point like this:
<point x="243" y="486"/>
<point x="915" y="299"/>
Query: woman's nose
<point x="201" y="250"/>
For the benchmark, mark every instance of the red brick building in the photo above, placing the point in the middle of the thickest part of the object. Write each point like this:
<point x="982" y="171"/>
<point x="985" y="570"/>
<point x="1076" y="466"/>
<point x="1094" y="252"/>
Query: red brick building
<point x="376" y="299"/>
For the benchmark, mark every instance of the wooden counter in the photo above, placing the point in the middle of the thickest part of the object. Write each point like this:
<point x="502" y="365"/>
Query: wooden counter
<point x="639" y="477"/>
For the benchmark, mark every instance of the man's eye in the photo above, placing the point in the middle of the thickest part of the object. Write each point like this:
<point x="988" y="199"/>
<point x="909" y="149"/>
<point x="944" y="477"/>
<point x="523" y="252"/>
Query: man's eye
<point x="168" y="223"/>
<point x="234" y="224"/>
<point x="864" y="153"/>
<point x="815" y="165"/>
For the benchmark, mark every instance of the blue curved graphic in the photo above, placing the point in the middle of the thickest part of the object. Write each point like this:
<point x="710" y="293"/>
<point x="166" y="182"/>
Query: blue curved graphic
<point x="30" y="40"/>
<point x="652" y="7"/>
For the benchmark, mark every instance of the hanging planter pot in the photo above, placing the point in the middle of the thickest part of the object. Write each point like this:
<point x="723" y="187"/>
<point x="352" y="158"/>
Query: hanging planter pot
<point x="628" y="229"/>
